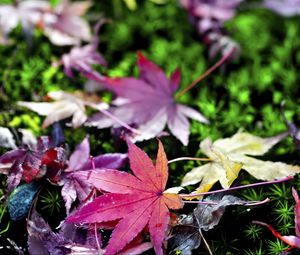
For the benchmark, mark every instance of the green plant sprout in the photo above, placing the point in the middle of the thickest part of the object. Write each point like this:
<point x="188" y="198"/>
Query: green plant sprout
<point x="253" y="231"/>
<point x="257" y="251"/>
<point x="284" y="213"/>
<point x="276" y="247"/>
<point x="51" y="201"/>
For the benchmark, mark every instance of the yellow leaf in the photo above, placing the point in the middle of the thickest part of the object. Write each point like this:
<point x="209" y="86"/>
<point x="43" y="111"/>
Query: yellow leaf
<point x="228" y="157"/>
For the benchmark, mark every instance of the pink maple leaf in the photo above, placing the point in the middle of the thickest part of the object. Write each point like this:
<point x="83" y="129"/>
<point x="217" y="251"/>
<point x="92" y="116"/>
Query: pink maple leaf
<point x="138" y="200"/>
<point x="149" y="103"/>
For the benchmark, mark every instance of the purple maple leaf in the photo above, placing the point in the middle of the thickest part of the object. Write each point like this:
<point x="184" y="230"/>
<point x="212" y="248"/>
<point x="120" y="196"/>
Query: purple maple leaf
<point x="82" y="58"/>
<point x="42" y="240"/>
<point x="211" y="14"/>
<point x="64" y="25"/>
<point x="148" y="102"/>
<point x="283" y="7"/>
<point x="71" y="240"/>
<point x="209" y="17"/>
<point x="76" y="186"/>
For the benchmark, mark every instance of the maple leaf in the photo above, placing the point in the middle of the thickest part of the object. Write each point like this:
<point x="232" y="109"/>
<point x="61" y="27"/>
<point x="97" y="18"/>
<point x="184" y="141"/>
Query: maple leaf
<point x="75" y="186"/>
<point x="211" y="14"/>
<point x="186" y="235"/>
<point x="209" y="18"/>
<point x="63" y="24"/>
<point x="291" y="240"/>
<point x="27" y="162"/>
<point x="7" y="139"/>
<point x="148" y="102"/>
<point x="82" y="58"/>
<point x="28" y="13"/>
<point x="42" y="240"/>
<point x="67" y="105"/>
<point x="137" y="200"/>
<point x="71" y="240"/>
<point x="228" y="156"/>
<point x="286" y="8"/>
<point x="28" y="138"/>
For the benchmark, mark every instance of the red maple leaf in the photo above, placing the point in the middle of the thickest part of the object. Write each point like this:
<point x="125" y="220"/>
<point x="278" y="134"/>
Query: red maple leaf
<point x="137" y="200"/>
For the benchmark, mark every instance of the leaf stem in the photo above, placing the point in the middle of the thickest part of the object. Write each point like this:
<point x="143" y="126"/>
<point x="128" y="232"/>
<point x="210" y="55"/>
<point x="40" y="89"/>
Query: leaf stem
<point x="188" y="158"/>
<point x="205" y="242"/>
<point x="252" y="203"/>
<point x="207" y="73"/>
<point x="200" y="202"/>
<point x="236" y="188"/>
<point x="97" y="240"/>
<point x="113" y="117"/>
<point x="274" y="232"/>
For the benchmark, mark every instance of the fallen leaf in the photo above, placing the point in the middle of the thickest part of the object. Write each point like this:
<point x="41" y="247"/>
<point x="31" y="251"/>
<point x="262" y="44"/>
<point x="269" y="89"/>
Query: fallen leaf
<point x="82" y="58"/>
<point x="75" y="185"/>
<point x="42" y="240"/>
<point x="7" y="139"/>
<point x="64" y="25"/>
<point x="137" y="200"/>
<point x="209" y="215"/>
<point x="211" y="14"/>
<point x="209" y="18"/>
<point x="28" y="13"/>
<point x="228" y="156"/>
<point x="149" y="103"/>
<point x="65" y="106"/>
<point x="27" y="163"/>
<point x="185" y="236"/>
<point x="28" y="138"/>
<point x="71" y="240"/>
<point x="285" y="8"/>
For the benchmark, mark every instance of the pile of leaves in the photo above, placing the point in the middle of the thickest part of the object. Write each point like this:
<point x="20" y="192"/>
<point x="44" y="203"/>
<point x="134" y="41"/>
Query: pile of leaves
<point x="120" y="202"/>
